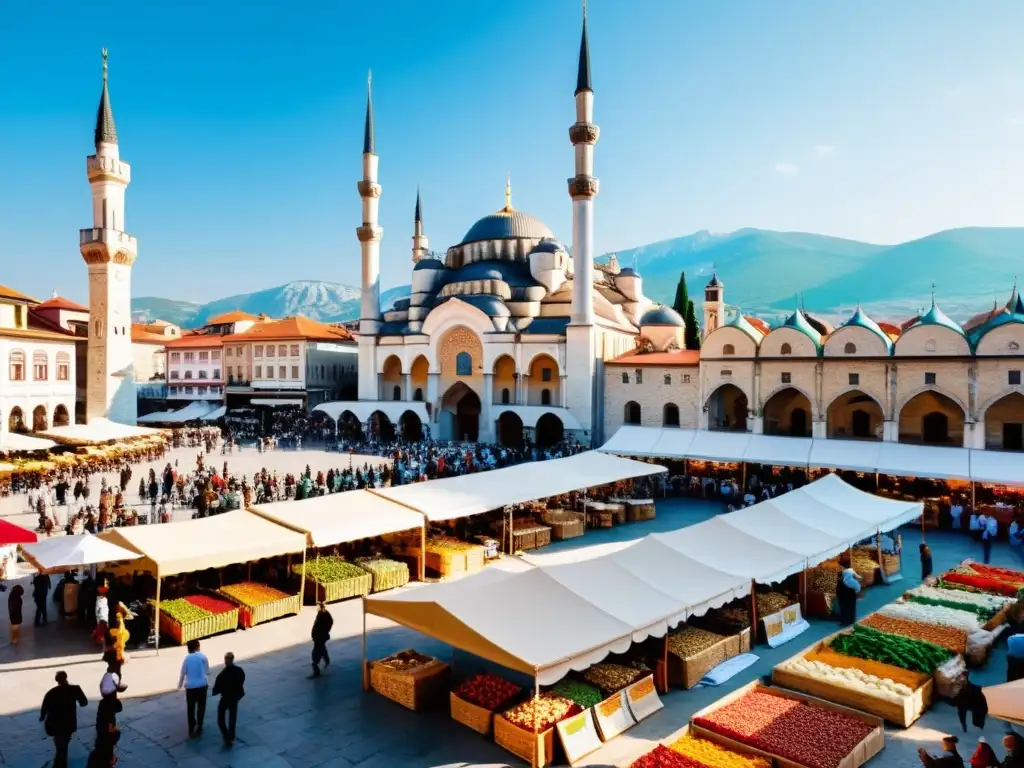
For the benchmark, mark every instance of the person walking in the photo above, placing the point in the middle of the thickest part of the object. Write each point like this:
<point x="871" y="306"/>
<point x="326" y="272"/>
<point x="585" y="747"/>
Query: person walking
<point x="988" y="535"/>
<point x="194" y="671"/>
<point x="107" y="732"/>
<point x="321" y="634"/>
<point x="60" y="716"/>
<point x="40" y="591"/>
<point x="230" y="686"/>
<point x="926" y="561"/>
<point x="14" y="604"/>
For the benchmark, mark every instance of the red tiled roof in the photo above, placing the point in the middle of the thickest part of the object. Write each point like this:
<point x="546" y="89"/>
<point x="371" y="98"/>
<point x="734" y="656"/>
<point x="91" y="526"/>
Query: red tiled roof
<point x="759" y="324"/>
<point x="237" y="316"/>
<point x="892" y="330"/>
<point x="10" y="293"/>
<point x="297" y="327"/>
<point x="59" y="302"/>
<point x="144" y="333"/>
<point x="678" y="358"/>
<point x="39" y="335"/>
<point x="195" y="341"/>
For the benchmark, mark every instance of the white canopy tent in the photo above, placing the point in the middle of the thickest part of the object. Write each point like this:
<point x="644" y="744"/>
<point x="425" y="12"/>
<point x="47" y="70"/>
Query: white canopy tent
<point x="673" y="442"/>
<point x="904" y="460"/>
<point x="638" y="441"/>
<point x="855" y="455"/>
<point x="878" y="513"/>
<point x="363" y="410"/>
<point x="998" y="467"/>
<point x="718" y="446"/>
<point x="61" y="553"/>
<point x="196" y="410"/>
<point x="465" y="495"/>
<point x="13" y="442"/>
<point x="1006" y="701"/>
<point x="772" y="525"/>
<point x="778" y="451"/>
<point x="97" y="431"/>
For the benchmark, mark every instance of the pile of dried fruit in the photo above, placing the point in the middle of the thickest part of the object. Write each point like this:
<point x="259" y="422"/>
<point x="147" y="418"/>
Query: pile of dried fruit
<point x="867" y="643"/>
<point x="954" y="640"/>
<point x="962" y="596"/>
<point x="729" y="620"/>
<point x="983" y="583"/>
<point x="612" y="677"/>
<point x="689" y="641"/>
<point x="213" y="605"/>
<point x="709" y="754"/>
<point x="252" y="594"/>
<point x="825" y="580"/>
<point x="583" y="694"/>
<point x="772" y="602"/>
<point x="536" y="715"/>
<point x="909" y="678"/>
<point x="663" y="757"/>
<point x="488" y="691"/>
<point x="405" y="661"/>
<point x="1003" y="574"/>
<point x="806" y="734"/>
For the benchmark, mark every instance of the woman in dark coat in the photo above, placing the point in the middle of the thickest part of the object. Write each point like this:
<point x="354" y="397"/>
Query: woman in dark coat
<point x="14" y="604"/>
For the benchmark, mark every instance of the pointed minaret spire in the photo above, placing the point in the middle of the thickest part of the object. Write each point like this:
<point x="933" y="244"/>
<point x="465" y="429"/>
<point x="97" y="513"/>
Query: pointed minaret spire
<point x="583" y="73"/>
<point x="105" y="132"/>
<point x="368" y="144"/>
<point x="420" y="244"/>
<point x="508" y="191"/>
<point x="933" y="293"/>
<point x="419" y="208"/>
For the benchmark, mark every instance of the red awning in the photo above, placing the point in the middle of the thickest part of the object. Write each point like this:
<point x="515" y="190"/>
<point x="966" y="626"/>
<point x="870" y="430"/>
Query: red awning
<point x="15" y="534"/>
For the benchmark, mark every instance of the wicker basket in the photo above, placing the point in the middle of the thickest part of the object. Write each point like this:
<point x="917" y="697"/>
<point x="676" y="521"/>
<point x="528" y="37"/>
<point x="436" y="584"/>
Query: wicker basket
<point x="251" y="615"/>
<point x="332" y="591"/>
<point x="195" y="630"/>
<point x="535" y="748"/>
<point x="414" y="689"/>
<point x="384" y="580"/>
<point x="470" y="715"/>
<point x="686" y="673"/>
<point x="891" y="564"/>
<point x="639" y="510"/>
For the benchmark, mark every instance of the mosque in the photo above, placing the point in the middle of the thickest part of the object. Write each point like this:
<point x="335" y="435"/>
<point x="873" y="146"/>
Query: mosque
<point x="506" y="335"/>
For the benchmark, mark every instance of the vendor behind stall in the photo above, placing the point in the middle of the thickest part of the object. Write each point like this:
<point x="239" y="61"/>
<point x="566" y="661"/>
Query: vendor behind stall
<point x="846" y="595"/>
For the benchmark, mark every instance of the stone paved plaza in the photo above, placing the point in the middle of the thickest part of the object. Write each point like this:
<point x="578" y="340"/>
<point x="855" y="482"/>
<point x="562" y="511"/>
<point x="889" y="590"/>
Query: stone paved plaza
<point x="289" y="720"/>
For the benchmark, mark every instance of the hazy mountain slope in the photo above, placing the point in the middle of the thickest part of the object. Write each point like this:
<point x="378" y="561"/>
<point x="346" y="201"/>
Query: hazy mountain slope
<point x="146" y="308"/>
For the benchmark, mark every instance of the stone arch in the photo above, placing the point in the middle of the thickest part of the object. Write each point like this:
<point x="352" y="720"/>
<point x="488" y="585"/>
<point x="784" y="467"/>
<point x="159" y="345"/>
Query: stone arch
<point x="727" y="408"/>
<point x="788" y="411"/>
<point x="460" y="413"/>
<point x="40" y="421"/>
<point x="419" y="372"/>
<point x="410" y="427"/>
<point x="932" y="417"/>
<point x="543" y="365"/>
<point x="503" y="375"/>
<point x="510" y="429"/>
<point x="390" y="378"/>
<point x="349" y="426"/>
<point x="670" y="415"/>
<point x="854" y="413"/>
<point x="1003" y="420"/>
<point x="631" y="413"/>
<point x="931" y="388"/>
<point x="381" y="426"/>
<point x="61" y="418"/>
<point x="549" y="431"/>
<point x="16" y="420"/>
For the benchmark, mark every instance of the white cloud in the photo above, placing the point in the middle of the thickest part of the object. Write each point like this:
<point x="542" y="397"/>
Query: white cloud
<point x="822" y="151"/>
<point x="787" y="169"/>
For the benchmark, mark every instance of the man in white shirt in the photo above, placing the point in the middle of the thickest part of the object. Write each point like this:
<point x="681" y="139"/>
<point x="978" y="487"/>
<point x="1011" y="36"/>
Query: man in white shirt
<point x="194" y="671"/>
<point x="988" y="535"/>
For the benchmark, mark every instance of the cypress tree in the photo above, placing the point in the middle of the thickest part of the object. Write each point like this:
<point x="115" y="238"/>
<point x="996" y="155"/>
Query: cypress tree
<point x="682" y="300"/>
<point x="692" y="334"/>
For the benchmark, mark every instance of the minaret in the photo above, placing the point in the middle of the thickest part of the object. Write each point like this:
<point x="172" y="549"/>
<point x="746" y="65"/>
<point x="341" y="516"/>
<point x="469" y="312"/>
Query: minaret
<point x="370" y="233"/>
<point x="109" y="252"/>
<point x="420" y="245"/>
<point x="583" y="189"/>
<point x="714" y="305"/>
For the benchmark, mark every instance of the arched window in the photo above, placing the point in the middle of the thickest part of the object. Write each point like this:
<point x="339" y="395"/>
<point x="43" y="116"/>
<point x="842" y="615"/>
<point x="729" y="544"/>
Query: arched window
<point x="785" y="349"/>
<point x="850" y="348"/>
<point x="728" y="349"/>
<point x="505" y="396"/>
<point x="418" y="396"/>
<point x="63" y="366"/>
<point x="625" y="377"/>
<point x="17" y="365"/>
<point x="668" y="378"/>
<point x="545" y="397"/>
<point x="40" y="367"/>
<point x="463" y="364"/>
<point x="632" y="412"/>
<point x="670" y="416"/>
<point x="396" y="393"/>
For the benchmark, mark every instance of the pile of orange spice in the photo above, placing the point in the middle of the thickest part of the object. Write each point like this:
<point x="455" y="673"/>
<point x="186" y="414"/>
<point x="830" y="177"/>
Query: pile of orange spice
<point x="952" y="639"/>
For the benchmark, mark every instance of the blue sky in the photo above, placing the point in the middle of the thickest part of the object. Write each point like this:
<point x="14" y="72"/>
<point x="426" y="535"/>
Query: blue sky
<point x="243" y="121"/>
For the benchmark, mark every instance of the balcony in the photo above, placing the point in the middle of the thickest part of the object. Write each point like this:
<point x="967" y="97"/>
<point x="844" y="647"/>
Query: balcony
<point x="239" y="383"/>
<point x="107" y="237"/>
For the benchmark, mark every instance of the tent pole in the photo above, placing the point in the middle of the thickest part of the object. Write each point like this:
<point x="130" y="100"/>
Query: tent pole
<point x="536" y="696"/>
<point x="302" y="581"/>
<point x="972" y="499"/>
<point x="366" y="682"/>
<point x="156" y="616"/>
<point x="753" y="613"/>
<point x="743" y="479"/>
<point x="423" y="551"/>
<point x="878" y="540"/>
<point x="803" y="590"/>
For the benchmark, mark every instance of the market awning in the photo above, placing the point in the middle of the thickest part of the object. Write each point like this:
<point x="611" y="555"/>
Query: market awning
<point x="465" y="495"/>
<point x="929" y="461"/>
<point x="219" y="413"/>
<point x="363" y="409"/>
<point x="484" y="615"/>
<point x="97" y="431"/>
<point x="718" y="446"/>
<point x="778" y="451"/>
<point x="1006" y="701"/>
<point x="67" y="552"/>
<point x="673" y="443"/>
<point x="854" y="455"/>
<point x="15" y="534"/>
<point x="340" y="517"/>
<point x="876" y="511"/>
<point x="13" y="442"/>
<point x="633" y="441"/>
<point x="997" y="467"/>
<point x="207" y="542"/>
<point x="278" y="402"/>
<point x="772" y="525"/>
<point x="194" y="411"/>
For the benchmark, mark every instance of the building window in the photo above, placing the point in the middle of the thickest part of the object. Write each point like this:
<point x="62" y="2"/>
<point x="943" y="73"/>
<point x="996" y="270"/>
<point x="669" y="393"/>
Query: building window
<point x="40" y="368"/>
<point x="418" y="395"/>
<point x="175" y="375"/>
<point x="189" y="390"/>
<point x="259" y="371"/>
<point x="632" y="412"/>
<point x="787" y="378"/>
<point x="638" y="375"/>
<point x="295" y="350"/>
<point x="625" y="377"/>
<point x="201" y="390"/>
<point x="257" y="351"/>
<point x="545" y="374"/>
<point x="282" y="372"/>
<point x="505" y="396"/>
<point x="396" y="393"/>
<point x="728" y="349"/>
<point x="63" y="366"/>
<point x="188" y="374"/>
<point x="850" y="348"/>
<point x="173" y="390"/>
<point x="175" y="357"/>
<point x="545" y="397"/>
<point x="929" y="378"/>
<point x="203" y="375"/>
<point x="17" y="365"/>
<point x="463" y="364"/>
<point x="854" y="379"/>
<point x="1014" y="378"/>
<point x="668" y="378"/>
<point x="227" y="352"/>
<point x="216" y="374"/>
<point x="295" y="372"/>
<point x="282" y="350"/>
<point x="214" y="390"/>
<point x="670" y="416"/>
<point x="204" y="357"/>
<point x="190" y="357"/>
<point x="686" y="378"/>
<point x="785" y="349"/>
<point x="215" y="355"/>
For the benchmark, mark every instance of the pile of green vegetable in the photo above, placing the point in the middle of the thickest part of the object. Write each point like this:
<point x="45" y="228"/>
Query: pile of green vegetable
<point x="583" y="694"/>
<point x="867" y="643"/>
<point x="982" y="612"/>
<point x="943" y="584"/>
<point x="327" y="570"/>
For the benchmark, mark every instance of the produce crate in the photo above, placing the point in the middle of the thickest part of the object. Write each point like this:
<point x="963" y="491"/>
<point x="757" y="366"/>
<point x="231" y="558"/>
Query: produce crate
<point x="686" y="673"/>
<point x="566" y="525"/>
<point x="475" y="559"/>
<point x="739" y="643"/>
<point x="195" y="630"/>
<point x="537" y="749"/>
<point x="384" y="580"/>
<point x="444" y="563"/>
<point x="415" y="689"/>
<point x="868" y="747"/>
<point x="470" y="715"/>
<point x="819" y="604"/>
<point x="332" y="591"/>
<point x="891" y="564"/>
<point x="618" y="513"/>
<point x="639" y="510"/>
<point x="524" y="539"/>
<point x="543" y="536"/>
<point x="599" y="517"/>
<point x="251" y="615"/>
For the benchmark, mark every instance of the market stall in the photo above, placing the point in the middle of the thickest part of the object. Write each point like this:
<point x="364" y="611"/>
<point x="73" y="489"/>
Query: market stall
<point x="213" y="542"/>
<point x="97" y="432"/>
<point x="64" y="553"/>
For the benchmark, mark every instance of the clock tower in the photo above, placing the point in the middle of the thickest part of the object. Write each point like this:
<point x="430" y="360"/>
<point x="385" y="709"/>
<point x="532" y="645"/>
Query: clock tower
<point x="109" y="253"/>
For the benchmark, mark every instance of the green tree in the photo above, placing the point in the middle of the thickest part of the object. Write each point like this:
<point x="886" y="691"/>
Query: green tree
<point x="682" y="299"/>
<point x="692" y="335"/>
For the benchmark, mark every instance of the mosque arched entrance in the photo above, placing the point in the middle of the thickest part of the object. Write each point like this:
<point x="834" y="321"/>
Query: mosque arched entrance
<point x="411" y="427"/>
<point x="787" y="412"/>
<point x="382" y="427"/>
<point x="349" y="426"/>
<point x="460" y="413"/>
<point x="550" y="431"/>
<point x="510" y="430"/>
<point x="727" y="409"/>
<point x="932" y="418"/>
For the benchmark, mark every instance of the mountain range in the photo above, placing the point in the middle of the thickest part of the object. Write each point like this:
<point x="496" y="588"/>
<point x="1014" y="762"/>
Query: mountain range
<point x="765" y="272"/>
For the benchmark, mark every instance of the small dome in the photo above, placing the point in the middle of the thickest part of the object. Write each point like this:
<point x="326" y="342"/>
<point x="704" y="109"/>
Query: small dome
<point x="428" y="264"/>
<point x="628" y="272"/>
<point x="715" y="282"/>
<point x="507" y="224"/>
<point x="741" y="323"/>
<point x="489" y="305"/>
<point x="935" y="316"/>
<point x="860" y="320"/>
<point x="662" y="316"/>
<point x="798" y="322"/>
<point x="548" y="245"/>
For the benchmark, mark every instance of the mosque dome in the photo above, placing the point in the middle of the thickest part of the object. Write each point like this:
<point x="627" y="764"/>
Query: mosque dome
<point x="935" y="316"/>
<point x="508" y="224"/>
<point x="798" y="322"/>
<point x="662" y="316"/>
<point x="548" y="245"/>
<point x="859" y="319"/>
<point x="628" y="272"/>
<point x="428" y="264"/>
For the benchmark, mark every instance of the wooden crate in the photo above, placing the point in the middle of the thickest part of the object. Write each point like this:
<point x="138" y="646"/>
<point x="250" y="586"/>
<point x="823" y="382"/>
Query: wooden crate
<point x="332" y="591"/>
<point x="444" y="563"/>
<point x="196" y="630"/>
<point x="639" y="510"/>
<point x="470" y="715"/>
<point x="475" y="559"/>
<point x="740" y="643"/>
<point x="563" y="527"/>
<point x="686" y="673"/>
<point x="524" y="540"/>
<point x="891" y="564"/>
<point x="251" y="615"/>
<point x="415" y="689"/>
<point x="537" y="749"/>
<point x="543" y="536"/>
<point x="599" y="518"/>
<point x="618" y="513"/>
<point x="862" y="752"/>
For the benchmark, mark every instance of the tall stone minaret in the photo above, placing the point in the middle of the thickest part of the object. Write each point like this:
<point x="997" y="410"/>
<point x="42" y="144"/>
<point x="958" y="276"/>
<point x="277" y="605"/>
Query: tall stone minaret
<point x="369" y="234"/>
<point x="109" y="252"/>
<point x="581" y="352"/>
<point x="420" y="244"/>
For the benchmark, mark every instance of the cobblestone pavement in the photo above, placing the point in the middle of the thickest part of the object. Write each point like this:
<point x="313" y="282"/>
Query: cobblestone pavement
<point x="289" y="720"/>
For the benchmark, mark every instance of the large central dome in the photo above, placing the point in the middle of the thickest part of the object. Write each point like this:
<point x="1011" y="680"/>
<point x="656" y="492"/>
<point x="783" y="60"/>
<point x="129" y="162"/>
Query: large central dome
<point x="506" y="224"/>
